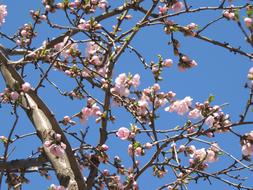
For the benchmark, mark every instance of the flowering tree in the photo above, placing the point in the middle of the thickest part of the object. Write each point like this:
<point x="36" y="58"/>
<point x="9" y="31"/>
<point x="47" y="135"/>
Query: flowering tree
<point x="84" y="44"/>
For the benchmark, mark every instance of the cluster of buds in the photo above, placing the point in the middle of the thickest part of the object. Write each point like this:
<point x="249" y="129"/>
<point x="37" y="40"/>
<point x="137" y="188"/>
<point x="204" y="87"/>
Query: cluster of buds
<point x="176" y="6"/>
<point x="67" y="120"/>
<point x="89" y="25"/>
<point x="56" y="187"/>
<point x="250" y="75"/>
<point x="9" y="95"/>
<point x="189" y="29"/>
<point x="37" y="16"/>
<point x="90" y="110"/>
<point x="89" y="7"/>
<point x="55" y="146"/>
<point x="159" y="171"/>
<point x="157" y="68"/>
<point x="180" y="106"/>
<point x="215" y="118"/>
<point x="186" y="63"/>
<point x="247" y="144"/>
<point x="201" y="157"/>
<point x="229" y="14"/>
<point x="25" y="35"/>
<point x="94" y="60"/>
<point x="67" y="48"/>
<point x="150" y="95"/>
<point x="123" y="84"/>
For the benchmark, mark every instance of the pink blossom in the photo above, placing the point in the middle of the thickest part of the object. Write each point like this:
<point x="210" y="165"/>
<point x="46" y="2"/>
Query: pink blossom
<point x="180" y="106"/>
<point x="192" y="26"/>
<point x="123" y="133"/>
<point x="103" y="4"/>
<point x="138" y="151"/>
<point x="178" y="6"/>
<point x="95" y="60"/>
<point x="121" y="79"/>
<point x="200" y="154"/>
<point x="209" y="121"/>
<point x="156" y="87"/>
<point x="250" y="74"/>
<point x="14" y="95"/>
<point x="181" y="148"/>
<point x="23" y="33"/>
<point x="57" y="187"/>
<point x="26" y="87"/>
<point x="105" y="147"/>
<point x="57" y="150"/>
<point x="211" y="156"/>
<point x="163" y="10"/>
<point x="167" y="63"/>
<point x="229" y="15"/>
<point x="195" y="114"/>
<point x="84" y="25"/>
<point x="3" y="13"/>
<point x="248" y="21"/>
<point x="47" y="143"/>
<point x="247" y="149"/>
<point x="58" y="137"/>
<point x="91" y="110"/>
<point x="136" y="80"/>
<point x="148" y="145"/>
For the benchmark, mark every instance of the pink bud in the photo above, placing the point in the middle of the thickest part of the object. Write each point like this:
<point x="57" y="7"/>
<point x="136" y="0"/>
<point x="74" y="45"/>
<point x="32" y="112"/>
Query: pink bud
<point x="26" y="87"/>
<point x="14" y="95"/>
<point x="105" y="147"/>
<point x="248" y="21"/>
<point x="23" y="32"/>
<point x="167" y="63"/>
<point x="148" y="145"/>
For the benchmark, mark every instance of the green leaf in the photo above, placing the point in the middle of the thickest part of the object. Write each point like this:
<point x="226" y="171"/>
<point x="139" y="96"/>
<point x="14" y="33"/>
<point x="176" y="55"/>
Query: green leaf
<point x="237" y="16"/>
<point x="137" y="144"/>
<point x="249" y="12"/>
<point x="211" y="98"/>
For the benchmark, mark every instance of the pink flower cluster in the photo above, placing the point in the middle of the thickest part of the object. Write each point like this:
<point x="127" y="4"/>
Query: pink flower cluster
<point x="56" y="147"/>
<point x="177" y="6"/>
<point x="123" y="84"/>
<point x="186" y="63"/>
<point x="195" y="114"/>
<point x="7" y="95"/>
<point x="123" y="133"/>
<point x="3" y="13"/>
<point x="217" y="119"/>
<point x="203" y="156"/>
<point x="230" y="15"/>
<point x="90" y="110"/>
<point x="247" y="144"/>
<point x="57" y="187"/>
<point x="250" y="74"/>
<point x="248" y="21"/>
<point x="67" y="48"/>
<point x="25" y="35"/>
<point x="180" y="106"/>
<point x="86" y="25"/>
<point x="138" y="151"/>
<point x="94" y="57"/>
<point x="150" y="95"/>
<point x="102" y="4"/>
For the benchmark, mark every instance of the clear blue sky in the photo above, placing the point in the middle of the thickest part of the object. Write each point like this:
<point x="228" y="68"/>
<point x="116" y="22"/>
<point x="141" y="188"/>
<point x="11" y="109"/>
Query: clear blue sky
<point x="219" y="72"/>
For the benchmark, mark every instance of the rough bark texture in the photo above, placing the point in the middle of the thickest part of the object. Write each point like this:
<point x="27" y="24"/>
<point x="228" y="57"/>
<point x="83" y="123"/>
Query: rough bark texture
<point x="66" y="167"/>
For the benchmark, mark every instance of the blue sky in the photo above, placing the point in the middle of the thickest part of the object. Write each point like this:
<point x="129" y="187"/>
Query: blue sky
<point x="219" y="72"/>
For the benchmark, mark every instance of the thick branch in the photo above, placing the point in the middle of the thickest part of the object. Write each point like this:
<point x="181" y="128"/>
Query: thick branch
<point x="66" y="167"/>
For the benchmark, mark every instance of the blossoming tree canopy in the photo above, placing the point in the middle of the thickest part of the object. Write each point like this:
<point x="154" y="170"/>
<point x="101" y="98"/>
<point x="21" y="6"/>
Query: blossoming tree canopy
<point x="103" y="94"/>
